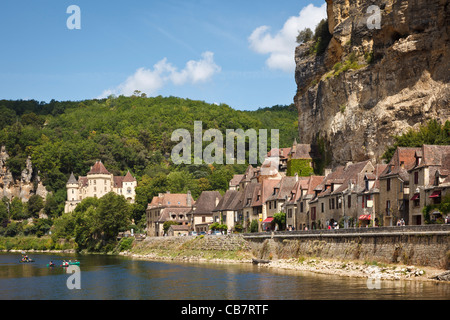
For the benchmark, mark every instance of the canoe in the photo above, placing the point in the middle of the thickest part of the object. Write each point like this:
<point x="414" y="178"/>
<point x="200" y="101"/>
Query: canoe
<point x="70" y="264"/>
<point x="51" y="265"/>
<point x="258" y="261"/>
<point x="26" y="261"/>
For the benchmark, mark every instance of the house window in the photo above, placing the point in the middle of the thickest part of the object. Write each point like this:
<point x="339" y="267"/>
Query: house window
<point x="388" y="184"/>
<point x="332" y="203"/>
<point x="322" y="207"/>
<point x="290" y="213"/>
<point x="416" y="177"/>
<point x="349" y="201"/>
<point x="270" y="204"/>
<point x="301" y="206"/>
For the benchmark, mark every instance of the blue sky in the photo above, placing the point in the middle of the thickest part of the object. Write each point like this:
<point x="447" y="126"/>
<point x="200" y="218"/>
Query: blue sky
<point x="236" y="52"/>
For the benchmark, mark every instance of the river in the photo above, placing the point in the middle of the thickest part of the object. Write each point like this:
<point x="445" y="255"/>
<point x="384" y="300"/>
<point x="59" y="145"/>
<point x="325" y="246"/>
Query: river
<point x="102" y="277"/>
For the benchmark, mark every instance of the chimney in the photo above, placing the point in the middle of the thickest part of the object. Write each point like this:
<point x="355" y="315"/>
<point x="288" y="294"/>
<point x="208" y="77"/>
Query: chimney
<point x="217" y="201"/>
<point x="189" y="203"/>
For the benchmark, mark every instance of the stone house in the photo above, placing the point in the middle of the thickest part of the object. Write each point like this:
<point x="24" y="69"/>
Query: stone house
<point x="168" y="207"/>
<point x="235" y="181"/>
<point x="291" y="205"/>
<point x="300" y="159"/>
<point x="98" y="182"/>
<point x="227" y="210"/>
<point x="369" y="198"/>
<point x="281" y="192"/>
<point x="260" y="204"/>
<point x="178" y="230"/>
<point x="201" y="214"/>
<point x="297" y="209"/>
<point x="250" y="213"/>
<point x="394" y="186"/>
<point x="427" y="178"/>
<point x="338" y="197"/>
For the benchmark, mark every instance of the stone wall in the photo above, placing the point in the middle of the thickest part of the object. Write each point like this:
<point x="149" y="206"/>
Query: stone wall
<point x="420" y="246"/>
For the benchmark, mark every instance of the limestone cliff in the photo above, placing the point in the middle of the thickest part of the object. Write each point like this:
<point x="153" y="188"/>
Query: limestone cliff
<point x="28" y="184"/>
<point x="373" y="83"/>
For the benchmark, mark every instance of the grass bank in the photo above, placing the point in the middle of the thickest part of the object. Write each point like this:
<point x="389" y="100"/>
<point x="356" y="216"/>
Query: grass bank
<point x="29" y="243"/>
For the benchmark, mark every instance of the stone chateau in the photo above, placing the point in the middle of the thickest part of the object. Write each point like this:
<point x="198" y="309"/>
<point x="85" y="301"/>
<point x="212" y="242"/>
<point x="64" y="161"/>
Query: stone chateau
<point x="98" y="182"/>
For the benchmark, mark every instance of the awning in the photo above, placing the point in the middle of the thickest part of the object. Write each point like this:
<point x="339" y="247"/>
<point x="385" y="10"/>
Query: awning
<point x="415" y="197"/>
<point x="436" y="194"/>
<point x="268" y="220"/>
<point x="365" y="217"/>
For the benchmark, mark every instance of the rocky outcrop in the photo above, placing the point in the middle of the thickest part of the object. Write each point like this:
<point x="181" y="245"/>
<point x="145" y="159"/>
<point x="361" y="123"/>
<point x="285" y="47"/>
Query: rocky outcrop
<point x="28" y="184"/>
<point x="396" y="77"/>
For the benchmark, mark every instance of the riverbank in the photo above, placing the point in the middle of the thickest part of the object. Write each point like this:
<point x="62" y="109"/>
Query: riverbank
<point x="35" y="244"/>
<point x="233" y="249"/>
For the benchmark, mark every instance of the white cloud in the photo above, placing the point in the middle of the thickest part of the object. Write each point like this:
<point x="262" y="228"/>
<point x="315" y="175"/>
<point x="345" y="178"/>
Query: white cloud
<point x="281" y="46"/>
<point x="151" y="81"/>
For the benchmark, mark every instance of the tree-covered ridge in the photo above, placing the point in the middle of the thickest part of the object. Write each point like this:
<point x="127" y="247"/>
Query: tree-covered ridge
<point x="126" y="133"/>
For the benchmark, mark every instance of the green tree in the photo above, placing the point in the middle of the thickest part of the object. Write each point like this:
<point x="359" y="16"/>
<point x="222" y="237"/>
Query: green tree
<point x="432" y="133"/>
<point x="280" y="219"/>
<point x="34" y="206"/>
<point x="17" y="210"/>
<point x="167" y="224"/>
<point x="305" y="35"/>
<point x="254" y="226"/>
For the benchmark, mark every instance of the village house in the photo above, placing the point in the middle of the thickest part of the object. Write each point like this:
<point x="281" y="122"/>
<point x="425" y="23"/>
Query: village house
<point x="280" y="195"/>
<point x="168" y="207"/>
<point x="178" y="230"/>
<point x="226" y="211"/>
<point x="394" y="186"/>
<point x="201" y="214"/>
<point x="369" y="211"/>
<point x="98" y="182"/>
<point x="337" y="196"/>
<point x="428" y="180"/>
<point x="297" y="209"/>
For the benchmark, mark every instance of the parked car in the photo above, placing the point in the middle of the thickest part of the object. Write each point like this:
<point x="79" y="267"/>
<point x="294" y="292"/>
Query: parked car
<point x="217" y="233"/>
<point x="193" y="233"/>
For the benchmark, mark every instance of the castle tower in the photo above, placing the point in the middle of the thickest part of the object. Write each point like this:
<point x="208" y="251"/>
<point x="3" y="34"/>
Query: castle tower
<point x="72" y="194"/>
<point x="129" y="184"/>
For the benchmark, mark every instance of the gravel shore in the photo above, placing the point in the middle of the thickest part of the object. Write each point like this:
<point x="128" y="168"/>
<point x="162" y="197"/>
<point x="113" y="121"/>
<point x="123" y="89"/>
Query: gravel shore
<point x="322" y="266"/>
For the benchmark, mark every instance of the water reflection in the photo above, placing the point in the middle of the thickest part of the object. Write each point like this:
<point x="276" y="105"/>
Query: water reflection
<point x="114" y="278"/>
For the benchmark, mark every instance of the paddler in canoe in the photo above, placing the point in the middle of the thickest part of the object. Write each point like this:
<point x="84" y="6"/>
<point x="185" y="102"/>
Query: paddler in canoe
<point x="25" y="258"/>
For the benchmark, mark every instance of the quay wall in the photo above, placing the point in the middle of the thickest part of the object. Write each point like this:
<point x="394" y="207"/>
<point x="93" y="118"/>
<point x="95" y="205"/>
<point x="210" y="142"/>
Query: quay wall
<point x="411" y="245"/>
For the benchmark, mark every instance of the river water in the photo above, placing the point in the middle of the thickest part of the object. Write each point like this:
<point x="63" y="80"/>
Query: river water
<point x="102" y="277"/>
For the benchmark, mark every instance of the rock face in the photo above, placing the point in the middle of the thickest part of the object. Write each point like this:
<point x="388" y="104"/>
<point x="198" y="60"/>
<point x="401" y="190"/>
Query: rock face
<point x="28" y="184"/>
<point x="399" y="78"/>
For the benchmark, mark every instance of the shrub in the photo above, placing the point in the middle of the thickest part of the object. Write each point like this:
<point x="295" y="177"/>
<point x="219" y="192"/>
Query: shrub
<point x="126" y="244"/>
